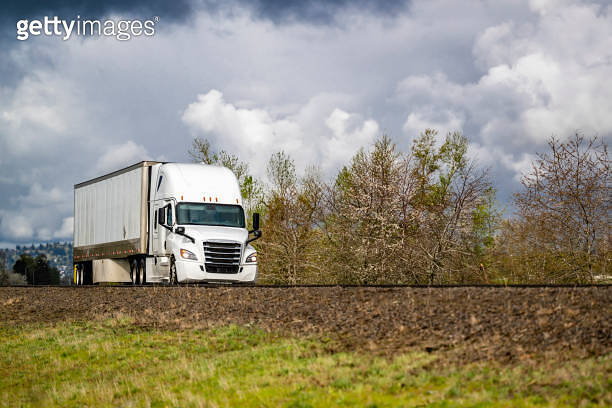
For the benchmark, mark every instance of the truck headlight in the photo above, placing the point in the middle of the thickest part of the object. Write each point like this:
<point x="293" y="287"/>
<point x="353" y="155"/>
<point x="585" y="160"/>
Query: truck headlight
<point x="185" y="254"/>
<point x="251" y="258"/>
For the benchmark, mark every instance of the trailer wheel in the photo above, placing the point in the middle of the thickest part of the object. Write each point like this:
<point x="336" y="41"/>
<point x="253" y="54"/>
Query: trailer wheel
<point x="142" y="276"/>
<point x="173" y="278"/>
<point x="134" y="271"/>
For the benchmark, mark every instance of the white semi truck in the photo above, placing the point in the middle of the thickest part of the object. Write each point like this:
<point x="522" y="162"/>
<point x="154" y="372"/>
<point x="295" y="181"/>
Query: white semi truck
<point x="163" y="222"/>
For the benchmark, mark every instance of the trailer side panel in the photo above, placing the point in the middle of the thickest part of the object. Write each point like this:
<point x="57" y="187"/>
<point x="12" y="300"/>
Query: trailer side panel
<point x="111" y="214"/>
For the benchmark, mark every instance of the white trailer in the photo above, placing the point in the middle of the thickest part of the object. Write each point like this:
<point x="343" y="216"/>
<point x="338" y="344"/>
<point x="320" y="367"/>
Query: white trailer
<point x="163" y="222"/>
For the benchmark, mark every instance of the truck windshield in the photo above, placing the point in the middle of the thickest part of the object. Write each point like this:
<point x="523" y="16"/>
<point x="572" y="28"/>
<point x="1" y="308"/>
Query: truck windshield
<point x="210" y="214"/>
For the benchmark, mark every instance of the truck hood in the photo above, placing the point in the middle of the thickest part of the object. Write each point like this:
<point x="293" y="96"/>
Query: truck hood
<point x="213" y="233"/>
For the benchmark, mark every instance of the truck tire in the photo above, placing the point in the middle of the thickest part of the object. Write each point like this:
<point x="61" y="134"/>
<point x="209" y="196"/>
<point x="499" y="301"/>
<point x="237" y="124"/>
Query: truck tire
<point x="134" y="271"/>
<point x="173" y="278"/>
<point x="142" y="276"/>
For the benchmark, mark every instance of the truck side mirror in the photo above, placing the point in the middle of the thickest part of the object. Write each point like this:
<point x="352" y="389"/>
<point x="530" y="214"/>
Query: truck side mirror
<point x="255" y="221"/>
<point x="161" y="216"/>
<point x="180" y="230"/>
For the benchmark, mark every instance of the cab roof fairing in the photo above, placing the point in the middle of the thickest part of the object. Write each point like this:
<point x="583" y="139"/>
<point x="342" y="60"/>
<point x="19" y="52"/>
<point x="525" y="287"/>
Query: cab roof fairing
<point x="198" y="183"/>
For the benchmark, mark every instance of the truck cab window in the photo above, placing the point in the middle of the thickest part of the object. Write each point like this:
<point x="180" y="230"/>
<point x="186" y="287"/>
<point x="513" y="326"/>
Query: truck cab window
<point x="161" y="218"/>
<point x="169" y="215"/>
<point x="210" y="214"/>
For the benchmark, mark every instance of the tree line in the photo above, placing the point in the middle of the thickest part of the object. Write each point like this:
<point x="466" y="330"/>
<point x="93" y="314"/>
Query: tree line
<point x="430" y="216"/>
<point x="28" y="270"/>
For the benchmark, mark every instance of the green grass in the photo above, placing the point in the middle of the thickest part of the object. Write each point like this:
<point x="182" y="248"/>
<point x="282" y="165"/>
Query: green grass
<point x="112" y="363"/>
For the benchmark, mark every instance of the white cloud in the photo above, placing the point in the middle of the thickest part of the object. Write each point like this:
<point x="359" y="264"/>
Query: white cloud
<point x="16" y="226"/>
<point x="32" y="104"/>
<point x="238" y="125"/>
<point x="541" y="78"/>
<point x="251" y="132"/>
<point x="66" y="230"/>
<point x="122" y="155"/>
<point x="443" y="121"/>
<point x="35" y="118"/>
<point x="35" y="223"/>
<point x="349" y="133"/>
<point x="41" y="197"/>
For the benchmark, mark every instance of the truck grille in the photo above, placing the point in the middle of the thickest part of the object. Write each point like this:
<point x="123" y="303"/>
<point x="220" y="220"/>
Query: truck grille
<point x="222" y="257"/>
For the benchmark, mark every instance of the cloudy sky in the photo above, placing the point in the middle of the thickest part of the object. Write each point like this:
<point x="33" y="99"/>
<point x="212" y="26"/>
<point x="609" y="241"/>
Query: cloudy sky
<point x="317" y="79"/>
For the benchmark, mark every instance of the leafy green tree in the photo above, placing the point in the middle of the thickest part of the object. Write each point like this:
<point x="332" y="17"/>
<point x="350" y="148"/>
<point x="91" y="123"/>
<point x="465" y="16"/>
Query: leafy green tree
<point x="25" y="266"/>
<point x="37" y="271"/>
<point x="452" y="207"/>
<point x="291" y="245"/>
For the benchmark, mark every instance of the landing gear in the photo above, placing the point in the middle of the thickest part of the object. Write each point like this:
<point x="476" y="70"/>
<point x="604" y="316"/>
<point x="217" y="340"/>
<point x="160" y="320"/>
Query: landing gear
<point x="83" y="274"/>
<point x="78" y="274"/>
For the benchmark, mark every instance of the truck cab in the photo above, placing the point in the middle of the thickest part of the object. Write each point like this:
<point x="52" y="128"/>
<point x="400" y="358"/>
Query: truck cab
<point x="197" y="226"/>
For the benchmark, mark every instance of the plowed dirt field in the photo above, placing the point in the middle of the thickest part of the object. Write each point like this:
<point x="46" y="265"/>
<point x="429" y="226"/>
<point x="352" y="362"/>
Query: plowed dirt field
<point x="470" y="324"/>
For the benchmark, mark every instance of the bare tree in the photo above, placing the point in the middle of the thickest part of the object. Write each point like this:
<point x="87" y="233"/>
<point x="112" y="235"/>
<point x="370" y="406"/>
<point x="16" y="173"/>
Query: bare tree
<point x="565" y="208"/>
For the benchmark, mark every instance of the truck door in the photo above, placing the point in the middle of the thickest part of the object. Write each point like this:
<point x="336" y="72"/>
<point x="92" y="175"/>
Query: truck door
<point x="159" y="232"/>
<point x="163" y="218"/>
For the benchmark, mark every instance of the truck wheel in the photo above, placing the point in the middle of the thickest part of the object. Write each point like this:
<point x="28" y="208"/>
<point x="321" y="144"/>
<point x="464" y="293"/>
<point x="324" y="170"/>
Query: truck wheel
<point x="143" y="272"/>
<point x="173" y="279"/>
<point x="134" y="271"/>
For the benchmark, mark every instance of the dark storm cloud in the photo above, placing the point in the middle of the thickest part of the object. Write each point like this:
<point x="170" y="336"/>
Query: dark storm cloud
<point x="20" y="9"/>
<point x="319" y="11"/>
<point x="316" y="11"/>
<point x="11" y="11"/>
